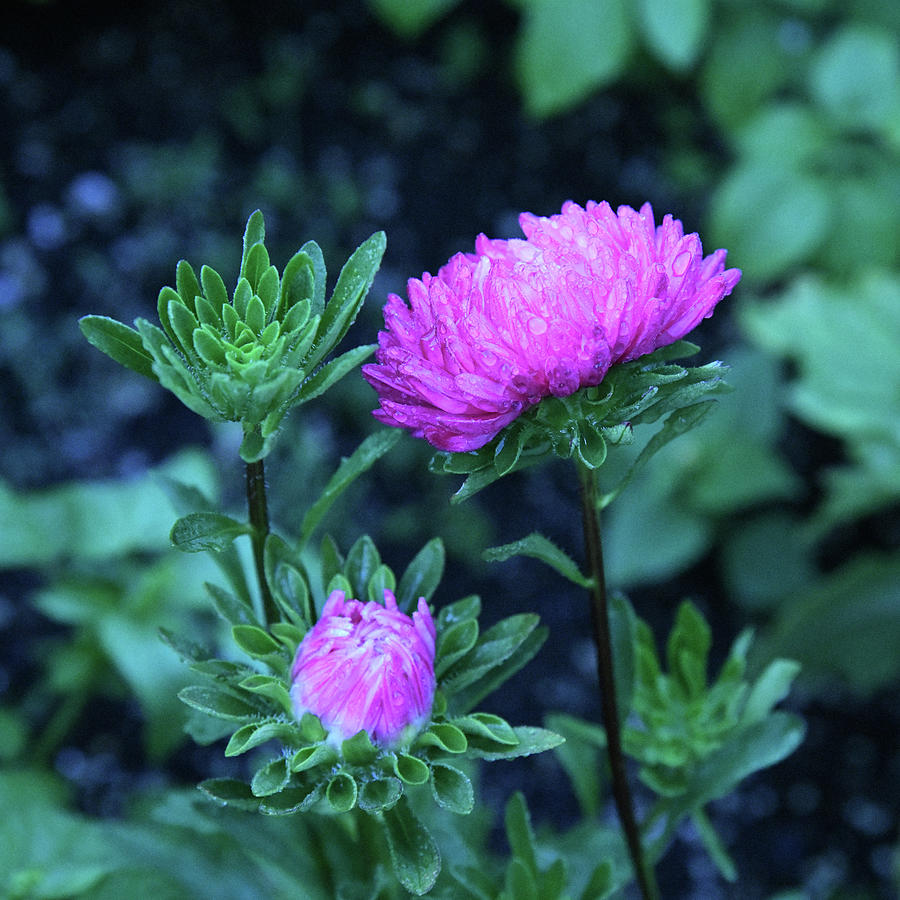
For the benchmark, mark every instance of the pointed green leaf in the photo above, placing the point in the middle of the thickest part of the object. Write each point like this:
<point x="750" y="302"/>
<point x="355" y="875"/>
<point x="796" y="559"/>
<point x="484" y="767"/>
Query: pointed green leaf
<point x="382" y="579"/>
<point x="252" y="735"/>
<point x="234" y="610"/>
<point x="254" y="233"/>
<point x="118" y="341"/>
<point x="309" y="757"/>
<point x="713" y="845"/>
<point x="218" y="702"/>
<point x="362" y="459"/>
<point x="352" y="286"/>
<point x="359" y="750"/>
<point x="267" y="290"/>
<point x="229" y="792"/>
<point x="186" y="284"/>
<point x="519" y="833"/>
<point x="269" y="686"/>
<point x="255" y="316"/>
<point x="414" y="854"/>
<point x="422" y="575"/>
<point x="255" y="265"/>
<point x="213" y="287"/>
<point x="454" y="643"/>
<point x="363" y="560"/>
<point x="254" y="641"/>
<point x="541" y="548"/>
<point x="333" y="371"/>
<point x="769" y="689"/>
<point x="303" y="280"/>
<point x="206" y="531"/>
<point x="183" y="323"/>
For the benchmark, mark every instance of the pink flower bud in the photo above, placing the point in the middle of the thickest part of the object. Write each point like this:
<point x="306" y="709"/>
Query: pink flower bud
<point x="367" y="666"/>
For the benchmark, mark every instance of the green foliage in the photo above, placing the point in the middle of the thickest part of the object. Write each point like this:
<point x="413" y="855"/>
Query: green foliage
<point x="583" y="425"/>
<point x="251" y="357"/>
<point x="844" y="342"/>
<point x="304" y="768"/>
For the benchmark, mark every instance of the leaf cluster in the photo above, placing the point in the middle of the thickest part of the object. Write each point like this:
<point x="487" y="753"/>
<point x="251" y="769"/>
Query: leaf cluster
<point x="585" y="424"/>
<point x="252" y="356"/>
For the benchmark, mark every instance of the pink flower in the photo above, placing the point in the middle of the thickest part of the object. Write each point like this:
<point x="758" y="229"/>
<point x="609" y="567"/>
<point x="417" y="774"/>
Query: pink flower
<point x="496" y="331"/>
<point x="366" y="666"/>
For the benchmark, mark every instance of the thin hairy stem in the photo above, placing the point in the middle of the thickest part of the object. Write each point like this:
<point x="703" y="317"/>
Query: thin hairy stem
<point x="259" y="520"/>
<point x="605" y="671"/>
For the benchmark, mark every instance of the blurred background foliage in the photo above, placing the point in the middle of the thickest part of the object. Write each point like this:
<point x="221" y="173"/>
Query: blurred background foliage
<point x="146" y="134"/>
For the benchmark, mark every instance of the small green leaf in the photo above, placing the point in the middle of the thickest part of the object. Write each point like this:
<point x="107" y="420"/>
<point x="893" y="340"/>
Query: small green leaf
<point x="452" y="789"/>
<point x="218" y="702"/>
<point x="414" y="854"/>
<point x="291" y="800"/>
<point x="118" y="341"/>
<point x="309" y="757"/>
<point x="206" y="531"/>
<point x="444" y="736"/>
<point x="255" y="641"/>
<point x="422" y="575"/>
<point x="713" y="845"/>
<point x="769" y="689"/>
<point x="487" y="725"/>
<point x="268" y="686"/>
<point x="254" y="233"/>
<point x="381" y="580"/>
<point x="674" y="29"/>
<point x="186" y="284"/>
<point x="300" y="278"/>
<point x="531" y="740"/>
<point x="454" y="643"/>
<point x="214" y="289"/>
<point x="541" y="548"/>
<point x="519" y="832"/>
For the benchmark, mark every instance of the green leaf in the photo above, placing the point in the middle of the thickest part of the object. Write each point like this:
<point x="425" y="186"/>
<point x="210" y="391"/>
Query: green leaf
<point x="530" y="741"/>
<point x="187" y="286"/>
<point x="454" y="643"/>
<point x="268" y="686"/>
<point x="303" y="279"/>
<point x="381" y="580"/>
<point x="541" y="548"/>
<point x="674" y="29"/>
<point x="580" y="757"/>
<point x="771" y="219"/>
<point x="206" y="531"/>
<point x="856" y="76"/>
<point x="255" y="641"/>
<point x="769" y="689"/>
<point x="414" y="854"/>
<point x="713" y="845"/>
<point x="422" y="575"/>
<point x="352" y="286"/>
<point x="218" y="702"/>
<point x="445" y="736"/>
<point x="519" y="833"/>
<point x="332" y="372"/>
<point x="214" y="290"/>
<point x="567" y="49"/>
<point x="254" y="233"/>
<point x="118" y="341"/>
<point x="487" y="725"/>
<point x="687" y="650"/>
<point x="410" y="769"/>
<point x="311" y="757"/>
<point x="452" y="789"/>
<point x="623" y="632"/>
<point x="361" y="460"/>
<point x="409" y="20"/>
<point x="359" y="749"/>
<point x="229" y="607"/>
<point x="362" y="562"/>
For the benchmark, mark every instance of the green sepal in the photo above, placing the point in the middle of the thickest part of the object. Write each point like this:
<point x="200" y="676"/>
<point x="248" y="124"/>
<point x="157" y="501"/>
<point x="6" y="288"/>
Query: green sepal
<point x="291" y="800"/>
<point x="359" y="749"/>
<point x="311" y="728"/>
<point x="452" y="789"/>
<point x="206" y="531"/>
<point x="119" y="342"/>
<point x="444" y="736"/>
<point x="310" y="757"/>
<point x="409" y="769"/>
<point x="271" y="778"/>
<point x="342" y="792"/>
<point x="230" y="792"/>
<point x="380" y="794"/>
<point x="255" y="733"/>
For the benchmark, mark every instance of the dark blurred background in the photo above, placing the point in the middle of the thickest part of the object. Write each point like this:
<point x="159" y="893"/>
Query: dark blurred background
<point x="140" y="134"/>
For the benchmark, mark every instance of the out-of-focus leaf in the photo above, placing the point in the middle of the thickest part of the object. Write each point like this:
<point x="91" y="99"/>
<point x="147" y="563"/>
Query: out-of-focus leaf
<point x="409" y="18"/>
<point x="674" y="29"/>
<point x="567" y="49"/>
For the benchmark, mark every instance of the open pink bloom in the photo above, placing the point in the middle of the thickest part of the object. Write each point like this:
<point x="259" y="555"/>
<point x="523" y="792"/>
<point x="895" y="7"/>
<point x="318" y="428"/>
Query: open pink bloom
<point x="496" y="331"/>
<point x="366" y="666"/>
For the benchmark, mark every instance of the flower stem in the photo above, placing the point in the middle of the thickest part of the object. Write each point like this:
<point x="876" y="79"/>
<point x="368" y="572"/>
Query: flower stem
<point x="259" y="520"/>
<point x="605" y="671"/>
